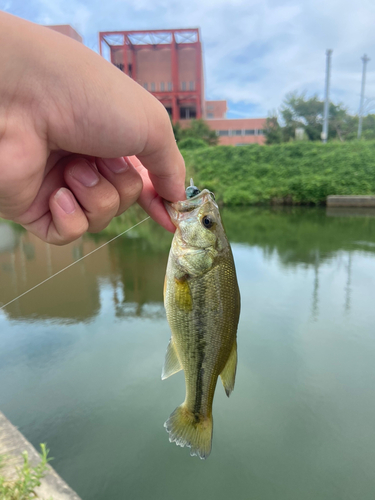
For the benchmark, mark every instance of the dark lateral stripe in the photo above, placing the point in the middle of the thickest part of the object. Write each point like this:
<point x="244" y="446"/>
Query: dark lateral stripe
<point x="199" y="325"/>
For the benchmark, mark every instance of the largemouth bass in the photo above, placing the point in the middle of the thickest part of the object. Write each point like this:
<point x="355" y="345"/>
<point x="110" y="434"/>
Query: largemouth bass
<point x="202" y="303"/>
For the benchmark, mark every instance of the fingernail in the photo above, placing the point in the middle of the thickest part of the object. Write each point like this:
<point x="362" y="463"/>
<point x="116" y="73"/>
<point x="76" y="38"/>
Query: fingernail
<point x="84" y="173"/>
<point x="64" y="199"/>
<point x="133" y="161"/>
<point x="116" y="165"/>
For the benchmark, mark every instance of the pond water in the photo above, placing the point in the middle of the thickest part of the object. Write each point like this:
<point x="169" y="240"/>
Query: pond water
<point x="81" y="358"/>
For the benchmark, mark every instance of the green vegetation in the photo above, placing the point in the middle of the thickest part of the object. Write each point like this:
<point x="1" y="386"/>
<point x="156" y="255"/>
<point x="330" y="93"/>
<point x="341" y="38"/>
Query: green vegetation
<point x="198" y="129"/>
<point x="298" y="234"/>
<point x="192" y="143"/>
<point x="292" y="173"/>
<point x="27" y="478"/>
<point x="298" y="111"/>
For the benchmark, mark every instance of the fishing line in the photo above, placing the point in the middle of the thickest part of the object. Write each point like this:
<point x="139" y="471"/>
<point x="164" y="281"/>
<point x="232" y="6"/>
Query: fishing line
<point x="72" y="264"/>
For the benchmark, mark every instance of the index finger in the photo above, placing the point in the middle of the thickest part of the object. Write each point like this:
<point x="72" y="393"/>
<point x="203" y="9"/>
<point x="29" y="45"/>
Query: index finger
<point x="149" y="199"/>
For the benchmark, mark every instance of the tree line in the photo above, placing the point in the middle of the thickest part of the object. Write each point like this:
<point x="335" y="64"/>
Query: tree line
<point x="297" y="113"/>
<point x="306" y="114"/>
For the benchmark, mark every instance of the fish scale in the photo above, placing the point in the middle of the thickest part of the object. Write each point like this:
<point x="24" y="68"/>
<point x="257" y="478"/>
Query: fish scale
<point x="202" y="303"/>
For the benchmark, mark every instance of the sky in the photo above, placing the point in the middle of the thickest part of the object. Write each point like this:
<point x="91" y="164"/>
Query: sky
<point x="255" y="51"/>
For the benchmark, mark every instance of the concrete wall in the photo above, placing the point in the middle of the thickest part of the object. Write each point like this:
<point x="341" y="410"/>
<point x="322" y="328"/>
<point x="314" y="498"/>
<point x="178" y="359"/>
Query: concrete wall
<point x="351" y="201"/>
<point x="13" y="444"/>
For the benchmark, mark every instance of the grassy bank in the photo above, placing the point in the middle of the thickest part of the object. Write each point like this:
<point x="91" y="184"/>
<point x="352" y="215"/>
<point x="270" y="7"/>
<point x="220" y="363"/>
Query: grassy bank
<point x="295" y="173"/>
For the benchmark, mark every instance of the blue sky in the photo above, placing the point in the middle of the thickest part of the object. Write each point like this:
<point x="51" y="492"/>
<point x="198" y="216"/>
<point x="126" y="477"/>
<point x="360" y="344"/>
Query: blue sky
<point x="255" y="51"/>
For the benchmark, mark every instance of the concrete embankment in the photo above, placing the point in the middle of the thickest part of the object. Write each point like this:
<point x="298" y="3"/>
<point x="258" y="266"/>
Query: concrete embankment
<point x="12" y="444"/>
<point x="351" y="201"/>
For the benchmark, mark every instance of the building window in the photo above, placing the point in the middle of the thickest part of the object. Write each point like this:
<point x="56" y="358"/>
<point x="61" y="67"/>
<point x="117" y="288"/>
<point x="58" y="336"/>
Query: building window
<point x="191" y="85"/>
<point x="210" y="115"/>
<point x="120" y="66"/>
<point x="145" y="85"/>
<point x="260" y="132"/>
<point x="183" y="86"/>
<point x="152" y="87"/>
<point x="222" y="133"/>
<point x="169" y="111"/>
<point x="250" y="132"/>
<point x="187" y="113"/>
<point x="236" y="132"/>
<point x="210" y="108"/>
<point x="170" y="86"/>
<point x="162" y="86"/>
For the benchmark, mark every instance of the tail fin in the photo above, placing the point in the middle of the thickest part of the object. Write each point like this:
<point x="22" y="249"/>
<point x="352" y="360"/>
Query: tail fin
<point x="187" y="429"/>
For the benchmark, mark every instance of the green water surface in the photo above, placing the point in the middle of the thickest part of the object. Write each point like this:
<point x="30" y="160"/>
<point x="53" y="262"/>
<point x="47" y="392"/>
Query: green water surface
<point x="81" y="358"/>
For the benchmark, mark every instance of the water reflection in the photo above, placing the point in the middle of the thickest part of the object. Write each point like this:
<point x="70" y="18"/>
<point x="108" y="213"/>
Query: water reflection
<point x="315" y="297"/>
<point x="32" y="261"/>
<point x="297" y="233"/>
<point x="134" y="265"/>
<point x="8" y="238"/>
<point x="348" y="284"/>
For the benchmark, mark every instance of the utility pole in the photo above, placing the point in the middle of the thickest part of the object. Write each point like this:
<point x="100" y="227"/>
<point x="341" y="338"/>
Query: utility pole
<point x="326" y="101"/>
<point x="365" y="60"/>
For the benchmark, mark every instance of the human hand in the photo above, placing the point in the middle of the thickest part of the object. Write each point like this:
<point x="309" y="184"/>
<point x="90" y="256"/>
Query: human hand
<point x="68" y="117"/>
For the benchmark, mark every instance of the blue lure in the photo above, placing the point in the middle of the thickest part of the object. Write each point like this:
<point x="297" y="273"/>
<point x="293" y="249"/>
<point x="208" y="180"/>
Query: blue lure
<point x="191" y="190"/>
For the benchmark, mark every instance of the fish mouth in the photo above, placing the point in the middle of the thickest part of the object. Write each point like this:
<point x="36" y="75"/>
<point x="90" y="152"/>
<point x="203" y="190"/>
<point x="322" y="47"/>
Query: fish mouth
<point x="177" y="209"/>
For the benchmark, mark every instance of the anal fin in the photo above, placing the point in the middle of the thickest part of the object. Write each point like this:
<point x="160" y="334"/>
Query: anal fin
<point x="172" y="364"/>
<point x="228" y="375"/>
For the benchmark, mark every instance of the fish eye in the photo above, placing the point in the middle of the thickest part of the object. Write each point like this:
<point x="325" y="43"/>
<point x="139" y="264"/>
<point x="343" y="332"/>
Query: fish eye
<point x="207" y="221"/>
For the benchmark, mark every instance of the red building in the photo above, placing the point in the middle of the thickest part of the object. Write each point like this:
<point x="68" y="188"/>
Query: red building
<point x="169" y="64"/>
<point x="233" y="131"/>
<point x="66" y="29"/>
<point x="239" y="131"/>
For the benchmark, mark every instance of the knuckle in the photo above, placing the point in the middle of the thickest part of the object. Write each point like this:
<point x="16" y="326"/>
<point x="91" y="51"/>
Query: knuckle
<point x="97" y="229"/>
<point x="109" y="203"/>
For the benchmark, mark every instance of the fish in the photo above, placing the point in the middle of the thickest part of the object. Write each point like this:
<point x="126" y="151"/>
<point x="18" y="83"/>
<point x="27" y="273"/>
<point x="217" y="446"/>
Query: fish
<point x="202" y="303"/>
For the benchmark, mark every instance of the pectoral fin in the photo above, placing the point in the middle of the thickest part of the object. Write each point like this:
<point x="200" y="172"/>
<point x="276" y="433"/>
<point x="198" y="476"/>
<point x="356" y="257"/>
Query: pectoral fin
<point x="228" y="375"/>
<point x="172" y="364"/>
<point x="183" y="295"/>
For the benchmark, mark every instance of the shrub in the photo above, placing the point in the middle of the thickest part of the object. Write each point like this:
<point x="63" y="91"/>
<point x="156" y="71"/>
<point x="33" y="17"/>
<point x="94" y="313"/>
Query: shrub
<point x="192" y="143"/>
<point x="297" y="173"/>
<point x="27" y="479"/>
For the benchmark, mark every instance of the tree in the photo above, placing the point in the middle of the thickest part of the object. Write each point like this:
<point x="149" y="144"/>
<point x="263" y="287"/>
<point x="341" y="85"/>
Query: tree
<point x="273" y="131"/>
<point x="298" y="111"/>
<point x="368" y="127"/>
<point x="198" y="130"/>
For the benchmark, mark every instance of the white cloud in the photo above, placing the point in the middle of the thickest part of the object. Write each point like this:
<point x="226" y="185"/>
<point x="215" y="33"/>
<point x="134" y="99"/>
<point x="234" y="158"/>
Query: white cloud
<point x="255" y="50"/>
